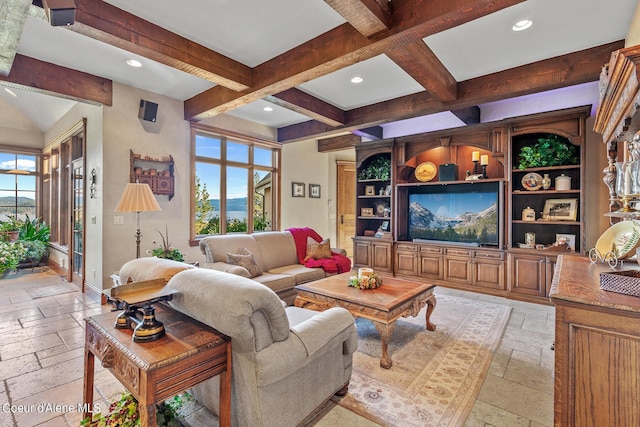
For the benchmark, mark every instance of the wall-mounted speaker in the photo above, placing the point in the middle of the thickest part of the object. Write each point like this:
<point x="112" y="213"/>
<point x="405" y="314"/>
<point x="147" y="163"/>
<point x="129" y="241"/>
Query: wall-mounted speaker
<point x="60" y="12"/>
<point x="148" y="111"/>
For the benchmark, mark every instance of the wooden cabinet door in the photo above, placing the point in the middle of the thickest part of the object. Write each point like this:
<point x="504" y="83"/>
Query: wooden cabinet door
<point x="406" y="259"/>
<point x="457" y="270"/>
<point x="381" y="257"/>
<point x="488" y="273"/>
<point x="431" y="265"/>
<point x="527" y="274"/>
<point x="360" y="253"/>
<point x="488" y="269"/>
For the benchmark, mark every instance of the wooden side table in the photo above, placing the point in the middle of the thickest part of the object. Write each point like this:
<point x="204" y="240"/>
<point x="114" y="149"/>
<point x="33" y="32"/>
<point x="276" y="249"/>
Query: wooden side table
<point x="189" y="353"/>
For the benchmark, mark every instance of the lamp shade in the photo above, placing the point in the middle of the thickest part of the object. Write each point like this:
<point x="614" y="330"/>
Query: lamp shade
<point x="137" y="197"/>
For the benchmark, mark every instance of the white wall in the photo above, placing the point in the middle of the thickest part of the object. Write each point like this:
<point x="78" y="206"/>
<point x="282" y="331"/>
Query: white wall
<point x="16" y="129"/>
<point x="633" y="36"/>
<point x="123" y="131"/>
<point x="301" y="162"/>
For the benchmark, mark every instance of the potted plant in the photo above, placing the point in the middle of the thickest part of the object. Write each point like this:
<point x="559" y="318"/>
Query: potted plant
<point x="165" y="250"/>
<point x="378" y="168"/>
<point x="124" y="412"/>
<point x="10" y="256"/>
<point x="551" y="150"/>
<point x="10" y="229"/>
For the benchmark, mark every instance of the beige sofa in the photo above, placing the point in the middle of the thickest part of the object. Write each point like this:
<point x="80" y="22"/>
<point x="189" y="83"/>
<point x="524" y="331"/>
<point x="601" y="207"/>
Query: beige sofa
<point x="286" y="361"/>
<point x="274" y="253"/>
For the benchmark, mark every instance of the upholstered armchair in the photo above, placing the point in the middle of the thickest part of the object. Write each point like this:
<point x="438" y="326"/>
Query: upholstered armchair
<point x="286" y="361"/>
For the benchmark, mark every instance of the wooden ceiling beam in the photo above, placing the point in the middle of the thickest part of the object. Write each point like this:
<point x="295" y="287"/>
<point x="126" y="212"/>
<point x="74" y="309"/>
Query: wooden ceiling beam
<point x="567" y="70"/>
<point x="43" y="77"/>
<point x="106" y="23"/>
<point x="469" y="115"/>
<point x="336" y="143"/>
<point x="13" y="14"/>
<point x="372" y="132"/>
<point x="417" y="60"/>
<point x="303" y="103"/>
<point x="341" y="47"/>
<point x="369" y="17"/>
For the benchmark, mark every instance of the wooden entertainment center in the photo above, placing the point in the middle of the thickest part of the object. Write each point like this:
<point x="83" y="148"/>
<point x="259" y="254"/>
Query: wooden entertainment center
<point x="503" y="265"/>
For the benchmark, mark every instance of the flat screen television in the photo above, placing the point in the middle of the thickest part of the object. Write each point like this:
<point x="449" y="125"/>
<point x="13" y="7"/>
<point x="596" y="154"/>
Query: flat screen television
<point x="464" y="213"/>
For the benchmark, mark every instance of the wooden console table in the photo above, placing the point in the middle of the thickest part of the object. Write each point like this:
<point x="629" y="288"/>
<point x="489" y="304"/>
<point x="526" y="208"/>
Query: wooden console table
<point x="597" y="362"/>
<point x="189" y="353"/>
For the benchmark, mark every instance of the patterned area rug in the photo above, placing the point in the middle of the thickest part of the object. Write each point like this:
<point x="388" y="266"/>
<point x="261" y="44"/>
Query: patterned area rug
<point x="435" y="376"/>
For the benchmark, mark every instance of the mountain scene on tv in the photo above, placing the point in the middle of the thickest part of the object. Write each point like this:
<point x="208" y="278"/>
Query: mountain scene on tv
<point x="473" y="226"/>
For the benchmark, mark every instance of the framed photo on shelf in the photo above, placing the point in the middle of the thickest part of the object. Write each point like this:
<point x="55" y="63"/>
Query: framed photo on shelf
<point x="297" y="189"/>
<point x="369" y="190"/>
<point x="314" y="191"/>
<point x="560" y="210"/>
<point x="569" y="239"/>
<point x="366" y="212"/>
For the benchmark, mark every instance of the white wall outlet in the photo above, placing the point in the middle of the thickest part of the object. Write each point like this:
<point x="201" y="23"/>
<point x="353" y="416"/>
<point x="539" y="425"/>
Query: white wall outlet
<point x="118" y="220"/>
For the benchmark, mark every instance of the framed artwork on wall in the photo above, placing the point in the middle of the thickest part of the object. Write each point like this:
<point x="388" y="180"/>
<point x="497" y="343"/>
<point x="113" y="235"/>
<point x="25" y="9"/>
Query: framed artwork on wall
<point x="314" y="191"/>
<point x="297" y="189"/>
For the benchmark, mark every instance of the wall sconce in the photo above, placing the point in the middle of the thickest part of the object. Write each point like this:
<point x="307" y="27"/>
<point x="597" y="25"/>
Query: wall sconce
<point x="94" y="182"/>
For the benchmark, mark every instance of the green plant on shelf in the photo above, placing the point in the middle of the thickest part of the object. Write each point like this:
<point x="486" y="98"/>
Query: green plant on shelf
<point x="378" y="168"/>
<point x="551" y="150"/>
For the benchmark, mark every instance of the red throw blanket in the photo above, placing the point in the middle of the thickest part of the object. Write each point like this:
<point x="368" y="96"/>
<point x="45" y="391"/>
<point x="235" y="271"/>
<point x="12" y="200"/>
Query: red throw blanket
<point x="338" y="263"/>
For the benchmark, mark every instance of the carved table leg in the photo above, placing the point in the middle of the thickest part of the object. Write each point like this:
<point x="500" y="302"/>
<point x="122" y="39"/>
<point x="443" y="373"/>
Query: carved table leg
<point x="147" y="415"/>
<point x="431" y="305"/>
<point x="385" y="331"/>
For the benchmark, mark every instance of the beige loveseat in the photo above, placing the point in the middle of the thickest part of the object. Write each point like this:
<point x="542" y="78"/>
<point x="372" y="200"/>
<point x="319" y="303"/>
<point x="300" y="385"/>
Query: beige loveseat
<point x="286" y="361"/>
<point x="274" y="253"/>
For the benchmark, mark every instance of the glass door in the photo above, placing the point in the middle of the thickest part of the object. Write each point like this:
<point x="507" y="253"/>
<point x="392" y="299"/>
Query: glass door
<point x="77" y="216"/>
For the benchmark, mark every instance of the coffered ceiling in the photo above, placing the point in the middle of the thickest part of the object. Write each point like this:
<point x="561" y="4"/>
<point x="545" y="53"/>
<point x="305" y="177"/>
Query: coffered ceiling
<point x="446" y="59"/>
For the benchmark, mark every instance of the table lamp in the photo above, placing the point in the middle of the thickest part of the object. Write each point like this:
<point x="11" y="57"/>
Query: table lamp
<point x="137" y="197"/>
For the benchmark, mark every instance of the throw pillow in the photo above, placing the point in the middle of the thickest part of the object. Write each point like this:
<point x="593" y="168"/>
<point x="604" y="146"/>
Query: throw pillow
<point x="317" y="250"/>
<point x="245" y="259"/>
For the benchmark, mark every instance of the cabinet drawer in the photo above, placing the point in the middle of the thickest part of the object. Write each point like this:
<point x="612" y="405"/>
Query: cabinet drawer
<point x="489" y="255"/>
<point x="430" y="250"/>
<point x="459" y="252"/>
<point x="405" y="247"/>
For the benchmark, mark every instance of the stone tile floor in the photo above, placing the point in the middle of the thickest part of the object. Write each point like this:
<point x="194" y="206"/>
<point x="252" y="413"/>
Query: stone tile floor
<point x="42" y="342"/>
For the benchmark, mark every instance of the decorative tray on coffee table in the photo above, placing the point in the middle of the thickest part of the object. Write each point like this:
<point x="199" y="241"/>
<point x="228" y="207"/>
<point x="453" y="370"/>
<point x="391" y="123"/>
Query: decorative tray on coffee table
<point x="136" y="299"/>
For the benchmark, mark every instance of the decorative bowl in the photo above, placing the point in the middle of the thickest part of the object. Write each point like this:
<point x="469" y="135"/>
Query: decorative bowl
<point x="621" y="238"/>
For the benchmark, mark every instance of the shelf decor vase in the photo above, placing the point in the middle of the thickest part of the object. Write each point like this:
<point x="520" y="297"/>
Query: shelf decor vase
<point x="546" y="182"/>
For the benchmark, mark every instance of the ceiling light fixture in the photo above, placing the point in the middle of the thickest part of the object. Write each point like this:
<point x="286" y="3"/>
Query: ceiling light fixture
<point x="10" y="92"/>
<point x="357" y="79"/>
<point x="133" y="63"/>
<point x="522" y="25"/>
<point x="268" y="108"/>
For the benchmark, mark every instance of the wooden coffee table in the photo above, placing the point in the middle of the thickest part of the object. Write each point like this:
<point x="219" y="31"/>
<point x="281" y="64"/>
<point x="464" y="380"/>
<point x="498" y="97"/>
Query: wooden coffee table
<point x="383" y="306"/>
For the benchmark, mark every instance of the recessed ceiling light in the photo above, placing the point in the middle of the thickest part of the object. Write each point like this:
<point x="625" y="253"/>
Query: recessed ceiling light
<point x="268" y="108"/>
<point x="10" y="92"/>
<point x="133" y="63"/>
<point x="357" y="79"/>
<point x="522" y="25"/>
